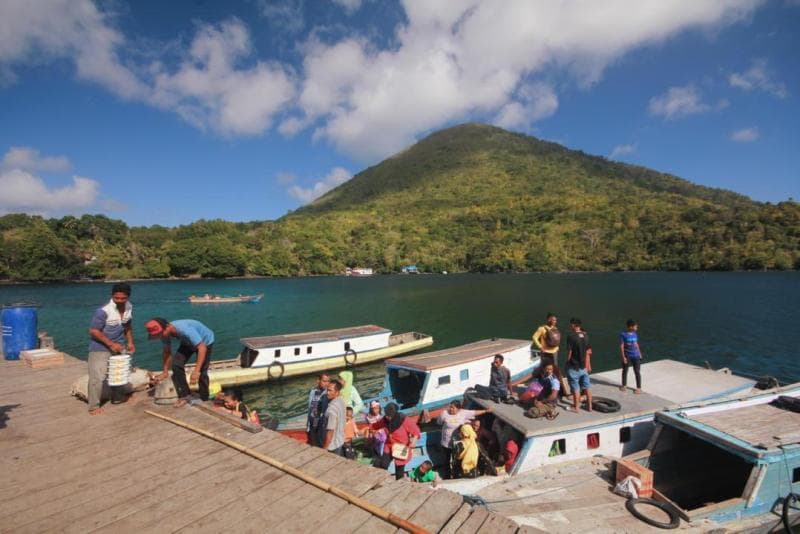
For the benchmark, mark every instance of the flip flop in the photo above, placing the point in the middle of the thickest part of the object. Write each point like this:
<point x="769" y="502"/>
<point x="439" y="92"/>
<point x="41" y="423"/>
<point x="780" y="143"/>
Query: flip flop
<point x="180" y="403"/>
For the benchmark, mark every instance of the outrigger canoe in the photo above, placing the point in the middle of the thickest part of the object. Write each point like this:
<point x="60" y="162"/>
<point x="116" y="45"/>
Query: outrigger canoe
<point x="282" y="356"/>
<point x="216" y="299"/>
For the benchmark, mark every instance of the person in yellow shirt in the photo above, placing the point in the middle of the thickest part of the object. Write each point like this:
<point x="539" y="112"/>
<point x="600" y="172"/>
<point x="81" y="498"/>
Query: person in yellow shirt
<point x="546" y="339"/>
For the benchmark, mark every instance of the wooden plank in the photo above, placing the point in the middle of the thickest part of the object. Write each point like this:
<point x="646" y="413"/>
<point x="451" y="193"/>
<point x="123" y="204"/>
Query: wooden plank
<point x="229" y="418"/>
<point x="457" y="519"/>
<point x="475" y="520"/>
<point x="403" y="507"/>
<point x="353" y="518"/>
<point x="437" y="510"/>
<point x="497" y="524"/>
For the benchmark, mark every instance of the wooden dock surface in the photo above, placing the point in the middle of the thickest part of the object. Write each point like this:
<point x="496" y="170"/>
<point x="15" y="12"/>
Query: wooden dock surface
<point x="126" y="471"/>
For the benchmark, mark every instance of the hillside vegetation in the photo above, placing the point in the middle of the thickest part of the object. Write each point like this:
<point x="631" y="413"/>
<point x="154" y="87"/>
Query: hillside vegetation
<point x="469" y="198"/>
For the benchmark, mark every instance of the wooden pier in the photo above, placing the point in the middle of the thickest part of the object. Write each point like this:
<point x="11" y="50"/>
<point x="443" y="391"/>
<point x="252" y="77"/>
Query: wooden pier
<point x="126" y="471"/>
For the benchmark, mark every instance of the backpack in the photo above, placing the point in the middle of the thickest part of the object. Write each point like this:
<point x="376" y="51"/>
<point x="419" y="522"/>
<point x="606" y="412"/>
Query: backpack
<point x="552" y="337"/>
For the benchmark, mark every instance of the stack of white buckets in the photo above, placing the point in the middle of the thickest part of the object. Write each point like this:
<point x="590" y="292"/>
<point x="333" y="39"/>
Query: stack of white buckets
<point x="119" y="369"/>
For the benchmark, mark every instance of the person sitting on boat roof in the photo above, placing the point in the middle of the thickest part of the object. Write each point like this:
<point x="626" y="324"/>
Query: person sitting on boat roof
<point x="544" y="387"/>
<point x="317" y="403"/>
<point x="451" y="419"/>
<point x="424" y="473"/>
<point x="350" y="394"/>
<point x="403" y="436"/>
<point x="579" y="365"/>
<point x="232" y="403"/>
<point x="194" y="337"/>
<point x="500" y="379"/>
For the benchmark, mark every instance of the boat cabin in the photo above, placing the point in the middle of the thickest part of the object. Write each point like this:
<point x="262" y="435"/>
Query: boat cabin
<point x="433" y="379"/>
<point x="726" y="460"/>
<point x="343" y="343"/>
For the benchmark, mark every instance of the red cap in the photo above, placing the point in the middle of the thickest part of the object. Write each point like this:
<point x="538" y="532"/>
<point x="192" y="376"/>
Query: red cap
<point x="154" y="328"/>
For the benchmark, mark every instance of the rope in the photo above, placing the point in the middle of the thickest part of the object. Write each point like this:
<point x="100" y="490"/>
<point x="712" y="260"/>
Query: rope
<point x="324" y="486"/>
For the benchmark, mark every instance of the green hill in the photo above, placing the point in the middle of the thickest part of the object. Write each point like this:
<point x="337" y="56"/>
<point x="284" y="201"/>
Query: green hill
<point x="469" y="198"/>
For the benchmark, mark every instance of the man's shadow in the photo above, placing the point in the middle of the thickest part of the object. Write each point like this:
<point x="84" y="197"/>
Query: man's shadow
<point x="4" y="413"/>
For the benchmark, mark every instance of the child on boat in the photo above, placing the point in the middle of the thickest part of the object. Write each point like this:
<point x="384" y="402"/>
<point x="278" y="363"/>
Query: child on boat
<point x="232" y="403"/>
<point x="425" y="474"/>
<point x="350" y="431"/>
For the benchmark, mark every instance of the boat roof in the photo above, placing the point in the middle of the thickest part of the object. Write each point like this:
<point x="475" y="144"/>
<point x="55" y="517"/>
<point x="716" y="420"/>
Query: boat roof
<point x="458" y="355"/>
<point x="305" y="338"/>
<point x="753" y="429"/>
<point x="663" y="392"/>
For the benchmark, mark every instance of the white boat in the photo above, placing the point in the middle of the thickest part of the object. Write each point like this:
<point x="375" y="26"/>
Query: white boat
<point x="571" y="436"/>
<point x="280" y="356"/>
<point x="359" y="271"/>
<point x="217" y="299"/>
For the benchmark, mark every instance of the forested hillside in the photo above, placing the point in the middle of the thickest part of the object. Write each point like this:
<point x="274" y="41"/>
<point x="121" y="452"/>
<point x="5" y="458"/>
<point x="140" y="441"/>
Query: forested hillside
<point x="469" y="198"/>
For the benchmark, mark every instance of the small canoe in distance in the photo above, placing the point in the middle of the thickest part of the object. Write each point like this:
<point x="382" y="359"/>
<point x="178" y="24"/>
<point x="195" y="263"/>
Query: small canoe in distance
<point x="217" y="299"/>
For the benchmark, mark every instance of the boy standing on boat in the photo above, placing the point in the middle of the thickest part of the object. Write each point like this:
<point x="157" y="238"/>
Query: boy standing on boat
<point x="631" y="354"/>
<point x="335" y="418"/>
<point x="109" y="330"/>
<point x="547" y="338"/>
<point x="579" y="365"/>
<point x="317" y="403"/>
<point x="194" y="337"/>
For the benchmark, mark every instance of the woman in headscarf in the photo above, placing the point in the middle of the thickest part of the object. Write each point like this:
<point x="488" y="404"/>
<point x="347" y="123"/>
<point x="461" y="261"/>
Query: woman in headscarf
<point x="349" y="393"/>
<point x="403" y="436"/>
<point x="469" y="455"/>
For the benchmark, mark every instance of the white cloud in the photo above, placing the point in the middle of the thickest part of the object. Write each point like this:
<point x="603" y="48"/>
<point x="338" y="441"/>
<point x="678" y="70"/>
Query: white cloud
<point x="335" y="177"/>
<point x="622" y="150"/>
<point x="758" y="78"/>
<point x="350" y="6"/>
<point x="678" y="102"/>
<point x="745" y="135"/>
<point x="449" y="61"/>
<point x="24" y="192"/>
<point x="534" y="102"/>
<point x="29" y="159"/>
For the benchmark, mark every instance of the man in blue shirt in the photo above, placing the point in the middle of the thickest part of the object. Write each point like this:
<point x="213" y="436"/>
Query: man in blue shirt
<point x="109" y="331"/>
<point x="194" y="337"/>
<point x="631" y="354"/>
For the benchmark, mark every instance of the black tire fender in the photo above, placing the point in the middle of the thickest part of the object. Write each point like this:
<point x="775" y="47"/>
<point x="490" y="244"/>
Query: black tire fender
<point x="350" y="362"/>
<point x="273" y="376"/>
<point x="674" y="519"/>
<point x="605" y="405"/>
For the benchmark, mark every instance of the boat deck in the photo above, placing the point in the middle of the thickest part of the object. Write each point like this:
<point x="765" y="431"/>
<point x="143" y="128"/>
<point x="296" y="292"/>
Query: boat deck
<point x="665" y="384"/>
<point x="305" y="338"/>
<point x="458" y="355"/>
<point x="127" y="471"/>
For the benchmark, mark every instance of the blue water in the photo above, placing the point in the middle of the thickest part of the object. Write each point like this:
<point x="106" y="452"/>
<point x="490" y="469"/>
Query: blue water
<point x="745" y="321"/>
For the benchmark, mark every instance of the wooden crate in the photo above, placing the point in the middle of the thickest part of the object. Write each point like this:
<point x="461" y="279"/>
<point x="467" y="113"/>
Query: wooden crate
<point x="627" y="468"/>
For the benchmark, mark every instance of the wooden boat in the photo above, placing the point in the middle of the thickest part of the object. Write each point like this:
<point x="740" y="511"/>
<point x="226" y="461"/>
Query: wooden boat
<point x="217" y="299"/>
<point x="725" y="460"/>
<point x="282" y="356"/>
<point x="430" y="381"/>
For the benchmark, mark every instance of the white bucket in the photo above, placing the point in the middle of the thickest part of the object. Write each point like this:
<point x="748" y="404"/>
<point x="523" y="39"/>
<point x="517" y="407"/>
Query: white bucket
<point x="119" y="369"/>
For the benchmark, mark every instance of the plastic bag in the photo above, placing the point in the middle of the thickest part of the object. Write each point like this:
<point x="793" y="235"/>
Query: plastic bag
<point x="628" y="487"/>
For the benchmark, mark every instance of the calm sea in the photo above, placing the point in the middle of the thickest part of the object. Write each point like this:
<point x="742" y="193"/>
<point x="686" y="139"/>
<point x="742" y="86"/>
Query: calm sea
<point x="745" y="321"/>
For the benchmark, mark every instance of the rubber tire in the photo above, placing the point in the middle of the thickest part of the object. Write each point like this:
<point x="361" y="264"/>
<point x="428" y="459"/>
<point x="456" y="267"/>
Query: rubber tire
<point x="675" y="520"/>
<point x="605" y="405"/>
<point x="348" y="363"/>
<point x="271" y="367"/>
<point x="790" y="499"/>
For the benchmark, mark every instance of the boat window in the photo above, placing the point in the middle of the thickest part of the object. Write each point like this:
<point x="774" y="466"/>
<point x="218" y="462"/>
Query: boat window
<point x="247" y="356"/>
<point x="593" y="440"/>
<point x="796" y="475"/>
<point x="277" y="353"/>
<point x="406" y="386"/>
<point x="297" y="351"/>
<point x="308" y="349"/>
<point x="444" y="380"/>
<point x="464" y="374"/>
<point x="625" y="434"/>
<point x="346" y="346"/>
<point x="558" y="447"/>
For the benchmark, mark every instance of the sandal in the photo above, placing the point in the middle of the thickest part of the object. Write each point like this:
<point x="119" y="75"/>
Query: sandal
<point x="552" y="415"/>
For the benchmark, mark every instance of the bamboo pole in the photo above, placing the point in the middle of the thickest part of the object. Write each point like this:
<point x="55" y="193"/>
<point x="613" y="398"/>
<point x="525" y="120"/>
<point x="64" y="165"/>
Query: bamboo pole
<point x="324" y="486"/>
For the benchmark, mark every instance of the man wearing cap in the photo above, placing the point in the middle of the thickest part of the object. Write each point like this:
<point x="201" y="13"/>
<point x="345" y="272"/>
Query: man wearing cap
<point x="194" y="337"/>
<point x="108" y="332"/>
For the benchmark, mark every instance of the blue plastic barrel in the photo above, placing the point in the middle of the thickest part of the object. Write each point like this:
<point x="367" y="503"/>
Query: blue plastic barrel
<point x="20" y="330"/>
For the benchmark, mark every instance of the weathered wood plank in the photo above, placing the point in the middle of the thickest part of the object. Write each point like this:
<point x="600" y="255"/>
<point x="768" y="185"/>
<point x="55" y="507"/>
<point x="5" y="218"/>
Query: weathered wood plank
<point x="497" y="524"/>
<point x="403" y="507"/>
<point x="437" y="510"/>
<point x="457" y="519"/>
<point x="475" y="520"/>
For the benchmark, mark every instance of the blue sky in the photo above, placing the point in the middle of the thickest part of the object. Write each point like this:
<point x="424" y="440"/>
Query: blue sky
<point x="168" y="112"/>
